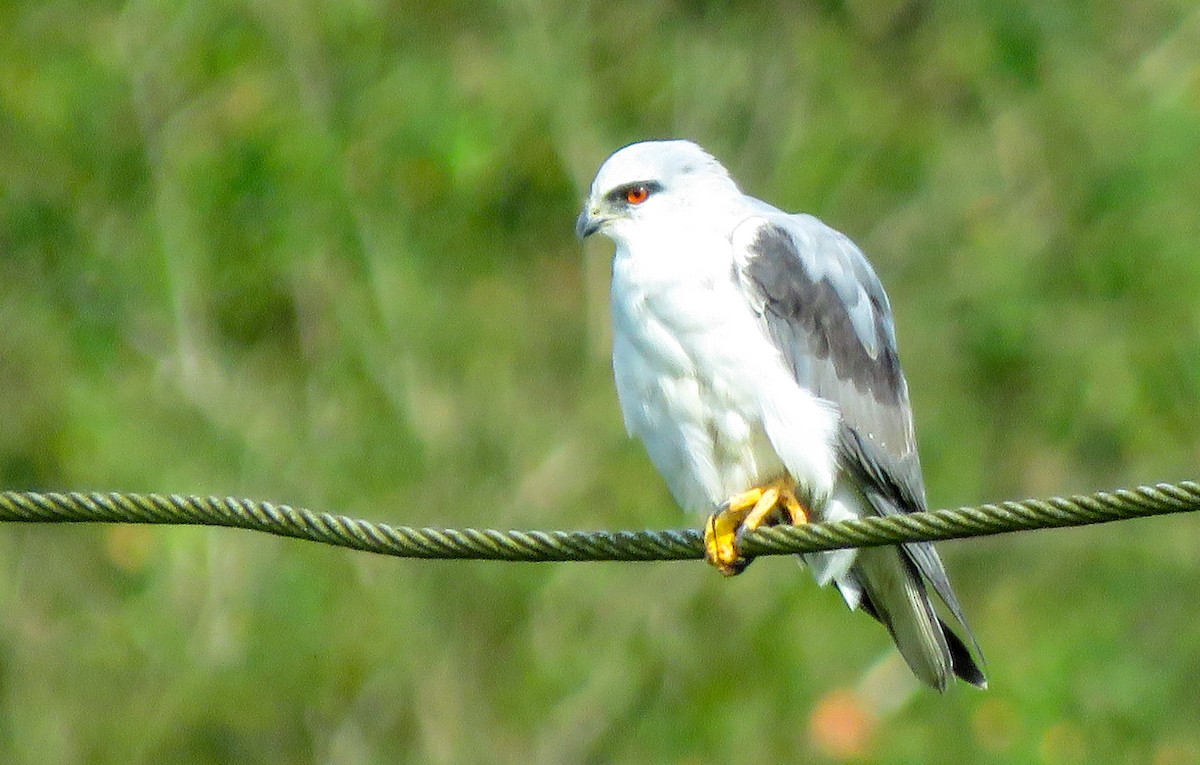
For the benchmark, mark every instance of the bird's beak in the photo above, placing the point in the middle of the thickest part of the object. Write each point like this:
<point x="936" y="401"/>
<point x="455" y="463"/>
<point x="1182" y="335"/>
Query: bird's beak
<point x="588" y="223"/>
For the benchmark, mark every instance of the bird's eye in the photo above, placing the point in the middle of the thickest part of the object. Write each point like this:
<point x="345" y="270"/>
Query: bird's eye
<point x="635" y="195"/>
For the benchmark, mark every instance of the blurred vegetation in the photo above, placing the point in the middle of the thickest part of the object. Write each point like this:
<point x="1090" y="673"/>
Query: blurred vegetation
<point x="323" y="254"/>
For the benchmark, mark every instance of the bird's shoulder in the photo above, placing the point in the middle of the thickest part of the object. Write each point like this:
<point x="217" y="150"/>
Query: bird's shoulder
<point x="799" y="244"/>
<point x="819" y="296"/>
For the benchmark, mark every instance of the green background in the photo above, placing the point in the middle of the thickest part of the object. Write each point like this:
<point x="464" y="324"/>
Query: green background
<point x="323" y="254"/>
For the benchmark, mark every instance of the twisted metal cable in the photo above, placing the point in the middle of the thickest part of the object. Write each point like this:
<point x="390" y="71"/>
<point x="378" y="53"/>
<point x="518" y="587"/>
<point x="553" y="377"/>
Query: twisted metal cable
<point x="674" y="544"/>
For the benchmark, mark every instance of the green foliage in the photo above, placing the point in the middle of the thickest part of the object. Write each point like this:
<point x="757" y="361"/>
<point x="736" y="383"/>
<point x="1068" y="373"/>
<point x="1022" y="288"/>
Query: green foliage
<point x="323" y="254"/>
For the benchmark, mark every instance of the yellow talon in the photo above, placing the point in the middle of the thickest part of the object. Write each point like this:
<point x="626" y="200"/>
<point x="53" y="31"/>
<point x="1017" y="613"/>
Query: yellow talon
<point x="745" y="512"/>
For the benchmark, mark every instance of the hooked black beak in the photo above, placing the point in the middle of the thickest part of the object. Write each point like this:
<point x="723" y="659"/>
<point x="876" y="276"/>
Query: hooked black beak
<point x="587" y="224"/>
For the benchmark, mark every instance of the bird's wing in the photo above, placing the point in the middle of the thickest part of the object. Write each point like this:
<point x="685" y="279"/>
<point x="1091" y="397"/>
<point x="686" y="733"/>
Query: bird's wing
<point x="825" y="311"/>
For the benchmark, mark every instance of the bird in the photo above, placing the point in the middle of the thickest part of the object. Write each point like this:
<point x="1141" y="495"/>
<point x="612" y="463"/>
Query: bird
<point x="754" y="355"/>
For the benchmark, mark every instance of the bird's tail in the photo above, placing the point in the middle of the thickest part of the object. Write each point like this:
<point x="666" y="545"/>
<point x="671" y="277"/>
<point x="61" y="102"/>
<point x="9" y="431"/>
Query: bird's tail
<point x="894" y="593"/>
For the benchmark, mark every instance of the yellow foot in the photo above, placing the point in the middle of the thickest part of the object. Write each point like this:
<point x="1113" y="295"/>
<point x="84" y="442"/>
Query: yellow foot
<point x="760" y="506"/>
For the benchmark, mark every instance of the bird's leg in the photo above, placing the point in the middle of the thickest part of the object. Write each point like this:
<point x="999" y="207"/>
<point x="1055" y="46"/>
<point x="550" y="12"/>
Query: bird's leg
<point x="746" y="512"/>
<point x="797" y="513"/>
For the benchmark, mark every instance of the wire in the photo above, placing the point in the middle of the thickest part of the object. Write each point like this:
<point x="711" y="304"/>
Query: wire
<point x="673" y="544"/>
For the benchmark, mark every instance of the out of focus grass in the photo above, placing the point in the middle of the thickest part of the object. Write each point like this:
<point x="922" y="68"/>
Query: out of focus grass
<point x="323" y="254"/>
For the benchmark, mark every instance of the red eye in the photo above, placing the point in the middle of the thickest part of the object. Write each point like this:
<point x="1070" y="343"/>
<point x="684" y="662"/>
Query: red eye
<point x="635" y="195"/>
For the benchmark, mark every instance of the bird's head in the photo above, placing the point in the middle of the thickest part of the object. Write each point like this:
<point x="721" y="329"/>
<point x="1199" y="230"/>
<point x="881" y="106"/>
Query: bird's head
<point x="658" y="180"/>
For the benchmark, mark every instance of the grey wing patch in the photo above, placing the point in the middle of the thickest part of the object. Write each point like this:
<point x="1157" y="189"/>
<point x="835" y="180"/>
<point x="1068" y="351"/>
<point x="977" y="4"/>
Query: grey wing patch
<point x="847" y="324"/>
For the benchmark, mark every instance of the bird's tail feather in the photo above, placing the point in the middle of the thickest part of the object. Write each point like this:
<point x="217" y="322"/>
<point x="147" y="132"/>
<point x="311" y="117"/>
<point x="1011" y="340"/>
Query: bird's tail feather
<point x="895" y="595"/>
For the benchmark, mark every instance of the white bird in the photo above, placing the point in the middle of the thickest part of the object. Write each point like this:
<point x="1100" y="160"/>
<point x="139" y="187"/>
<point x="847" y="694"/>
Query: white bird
<point x="755" y="357"/>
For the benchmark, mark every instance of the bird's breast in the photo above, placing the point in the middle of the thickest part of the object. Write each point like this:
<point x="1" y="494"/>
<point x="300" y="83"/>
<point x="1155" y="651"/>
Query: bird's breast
<point x="684" y="354"/>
